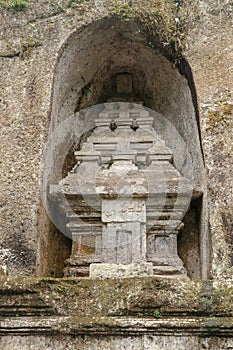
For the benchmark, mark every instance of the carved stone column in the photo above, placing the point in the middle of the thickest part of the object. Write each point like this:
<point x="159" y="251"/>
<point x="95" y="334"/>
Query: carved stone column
<point x="123" y="189"/>
<point x="169" y="194"/>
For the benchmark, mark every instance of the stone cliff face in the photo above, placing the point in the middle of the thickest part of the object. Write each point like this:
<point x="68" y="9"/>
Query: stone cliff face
<point x="210" y="57"/>
<point x="59" y="57"/>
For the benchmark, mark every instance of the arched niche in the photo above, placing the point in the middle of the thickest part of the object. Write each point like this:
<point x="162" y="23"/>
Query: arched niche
<point x="85" y="75"/>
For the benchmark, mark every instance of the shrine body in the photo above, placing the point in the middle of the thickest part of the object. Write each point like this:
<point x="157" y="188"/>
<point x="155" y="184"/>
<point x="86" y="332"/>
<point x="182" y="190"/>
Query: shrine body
<point x="124" y="200"/>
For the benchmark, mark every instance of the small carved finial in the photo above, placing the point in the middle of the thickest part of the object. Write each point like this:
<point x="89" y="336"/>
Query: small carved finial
<point x="134" y="126"/>
<point x="113" y="125"/>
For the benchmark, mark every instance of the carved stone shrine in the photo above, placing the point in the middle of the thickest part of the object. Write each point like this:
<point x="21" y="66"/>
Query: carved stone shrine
<point x="124" y="200"/>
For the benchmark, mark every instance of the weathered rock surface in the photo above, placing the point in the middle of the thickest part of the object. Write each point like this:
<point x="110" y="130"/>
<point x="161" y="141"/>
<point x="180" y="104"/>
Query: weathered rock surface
<point x="70" y="314"/>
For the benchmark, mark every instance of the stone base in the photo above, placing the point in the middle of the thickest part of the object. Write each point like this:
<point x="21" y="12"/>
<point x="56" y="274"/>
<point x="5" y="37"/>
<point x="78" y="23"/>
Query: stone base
<point x="76" y="271"/>
<point x="148" y="314"/>
<point x="84" y="268"/>
<point x="78" y="266"/>
<point x="170" y="271"/>
<point x="105" y="271"/>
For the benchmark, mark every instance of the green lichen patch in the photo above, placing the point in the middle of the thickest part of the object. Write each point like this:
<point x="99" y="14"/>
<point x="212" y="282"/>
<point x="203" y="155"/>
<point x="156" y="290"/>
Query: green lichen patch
<point x="15" y="5"/>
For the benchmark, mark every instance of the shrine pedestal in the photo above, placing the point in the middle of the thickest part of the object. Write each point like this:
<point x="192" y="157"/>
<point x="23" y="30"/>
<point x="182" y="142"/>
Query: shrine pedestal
<point x="105" y="271"/>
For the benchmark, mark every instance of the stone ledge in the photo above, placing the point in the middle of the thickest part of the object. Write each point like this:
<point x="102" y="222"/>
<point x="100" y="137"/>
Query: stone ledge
<point x="209" y="326"/>
<point x="75" y="297"/>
